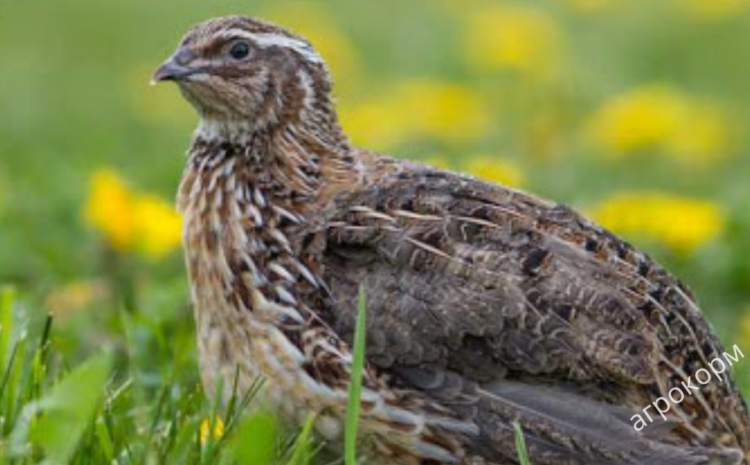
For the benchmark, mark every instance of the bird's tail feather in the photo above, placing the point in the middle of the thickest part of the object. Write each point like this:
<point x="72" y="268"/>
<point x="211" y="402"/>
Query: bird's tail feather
<point x="562" y="427"/>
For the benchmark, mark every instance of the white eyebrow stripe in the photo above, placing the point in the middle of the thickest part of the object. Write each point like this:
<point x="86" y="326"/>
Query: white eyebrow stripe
<point x="268" y="39"/>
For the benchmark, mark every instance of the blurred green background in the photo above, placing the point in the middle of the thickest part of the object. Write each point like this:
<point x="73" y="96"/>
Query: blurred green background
<point x="635" y="112"/>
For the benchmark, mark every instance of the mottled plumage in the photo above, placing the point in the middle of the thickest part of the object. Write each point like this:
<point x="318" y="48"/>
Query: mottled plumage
<point x="485" y="305"/>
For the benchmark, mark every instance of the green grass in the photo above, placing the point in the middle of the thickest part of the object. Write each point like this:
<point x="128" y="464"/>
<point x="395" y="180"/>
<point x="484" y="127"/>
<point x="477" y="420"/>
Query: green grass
<point x="90" y="413"/>
<point x="93" y="414"/>
<point x="355" y="385"/>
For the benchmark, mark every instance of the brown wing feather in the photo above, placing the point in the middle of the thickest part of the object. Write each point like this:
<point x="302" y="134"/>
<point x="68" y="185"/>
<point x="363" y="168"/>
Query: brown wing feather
<point x="493" y="284"/>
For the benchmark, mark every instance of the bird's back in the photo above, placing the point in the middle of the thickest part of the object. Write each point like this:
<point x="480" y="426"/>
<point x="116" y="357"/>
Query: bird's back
<point x="503" y="307"/>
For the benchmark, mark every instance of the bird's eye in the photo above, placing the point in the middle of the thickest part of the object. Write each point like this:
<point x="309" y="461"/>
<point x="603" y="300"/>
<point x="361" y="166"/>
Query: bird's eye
<point x="240" y="50"/>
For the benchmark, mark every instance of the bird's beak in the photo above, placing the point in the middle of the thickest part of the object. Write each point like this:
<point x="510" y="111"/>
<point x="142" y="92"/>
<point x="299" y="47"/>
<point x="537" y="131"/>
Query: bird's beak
<point x="176" y="68"/>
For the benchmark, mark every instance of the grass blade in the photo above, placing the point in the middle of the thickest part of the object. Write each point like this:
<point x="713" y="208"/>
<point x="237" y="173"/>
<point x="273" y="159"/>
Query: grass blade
<point x="355" y="385"/>
<point x="7" y="299"/>
<point x="523" y="453"/>
<point x="301" y="454"/>
<point x="57" y="422"/>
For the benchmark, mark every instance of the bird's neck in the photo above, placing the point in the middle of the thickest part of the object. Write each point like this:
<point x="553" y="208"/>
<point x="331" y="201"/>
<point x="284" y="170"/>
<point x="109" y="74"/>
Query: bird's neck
<point x="294" y="163"/>
<point x="241" y="200"/>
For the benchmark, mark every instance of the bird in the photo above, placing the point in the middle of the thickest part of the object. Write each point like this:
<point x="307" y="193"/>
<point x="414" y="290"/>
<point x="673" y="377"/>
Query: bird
<point x="488" y="309"/>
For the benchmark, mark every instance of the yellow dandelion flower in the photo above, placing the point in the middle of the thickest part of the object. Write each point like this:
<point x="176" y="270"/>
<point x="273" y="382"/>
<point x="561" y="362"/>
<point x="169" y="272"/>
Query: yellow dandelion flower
<point x="494" y="169"/>
<point x="516" y="38"/>
<point x="443" y="110"/>
<point x="131" y="221"/>
<point x="155" y="104"/>
<point x="205" y="432"/>
<point x="108" y="209"/>
<point x="637" y="120"/>
<point x="713" y="9"/>
<point x="375" y="123"/>
<point x="662" y="119"/>
<point x="418" y="109"/>
<point x="159" y="226"/>
<point x="679" y="223"/>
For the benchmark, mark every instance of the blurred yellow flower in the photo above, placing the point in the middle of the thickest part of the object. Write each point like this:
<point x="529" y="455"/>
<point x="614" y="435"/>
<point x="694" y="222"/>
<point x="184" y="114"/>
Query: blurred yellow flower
<point x="660" y="118"/>
<point x="496" y="170"/>
<point x="316" y="25"/>
<point x="130" y="220"/>
<point x="218" y="425"/>
<point x="156" y="104"/>
<point x="418" y="109"/>
<point x="679" y="223"/>
<point x="158" y="224"/>
<point x="109" y="209"/>
<point x="441" y="109"/>
<point x="513" y="37"/>
<point x="713" y="9"/>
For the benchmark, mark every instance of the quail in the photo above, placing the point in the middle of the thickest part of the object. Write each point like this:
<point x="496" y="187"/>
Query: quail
<point x="486" y="306"/>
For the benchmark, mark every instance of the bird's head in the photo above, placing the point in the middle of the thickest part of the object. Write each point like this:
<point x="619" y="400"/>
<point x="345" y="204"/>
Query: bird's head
<point x="242" y="74"/>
